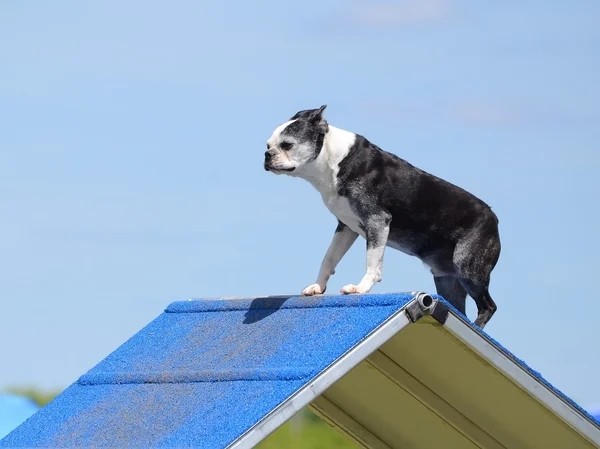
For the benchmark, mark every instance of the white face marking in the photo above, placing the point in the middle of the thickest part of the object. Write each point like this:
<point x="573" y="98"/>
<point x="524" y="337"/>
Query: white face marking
<point x="274" y="139"/>
<point x="290" y="150"/>
<point x="281" y="160"/>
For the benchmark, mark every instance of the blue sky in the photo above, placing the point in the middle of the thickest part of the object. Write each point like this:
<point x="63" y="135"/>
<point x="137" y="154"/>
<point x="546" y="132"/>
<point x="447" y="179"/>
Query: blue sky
<point x="131" y="144"/>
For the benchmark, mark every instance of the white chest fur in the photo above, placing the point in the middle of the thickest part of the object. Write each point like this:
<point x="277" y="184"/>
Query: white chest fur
<point x="340" y="207"/>
<point x="322" y="174"/>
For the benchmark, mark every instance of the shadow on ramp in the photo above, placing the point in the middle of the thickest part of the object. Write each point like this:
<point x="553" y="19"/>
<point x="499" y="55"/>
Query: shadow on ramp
<point x="261" y="308"/>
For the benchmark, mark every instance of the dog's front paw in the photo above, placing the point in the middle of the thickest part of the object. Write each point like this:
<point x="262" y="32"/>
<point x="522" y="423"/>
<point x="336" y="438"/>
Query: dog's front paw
<point x="314" y="289"/>
<point x="351" y="288"/>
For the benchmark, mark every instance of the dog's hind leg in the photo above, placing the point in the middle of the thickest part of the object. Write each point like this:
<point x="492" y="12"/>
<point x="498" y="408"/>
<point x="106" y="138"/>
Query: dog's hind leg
<point x="486" y="307"/>
<point x="450" y="288"/>
<point x="474" y="259"/>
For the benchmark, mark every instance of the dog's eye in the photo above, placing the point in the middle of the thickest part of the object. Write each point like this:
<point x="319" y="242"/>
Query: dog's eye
<point x="285" y="145"/>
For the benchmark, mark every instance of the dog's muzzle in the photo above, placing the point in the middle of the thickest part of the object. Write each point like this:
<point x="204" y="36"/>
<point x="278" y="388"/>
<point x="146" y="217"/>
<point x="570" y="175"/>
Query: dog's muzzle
<point x="269" y="165"/>
<point x="268" y="157"/>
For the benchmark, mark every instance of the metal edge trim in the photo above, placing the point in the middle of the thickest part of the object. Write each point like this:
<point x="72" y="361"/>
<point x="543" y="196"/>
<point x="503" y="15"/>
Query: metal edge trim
<point x="286" y="410"/>
<point x="346" y="424"/>
<point x="496" y="357"/>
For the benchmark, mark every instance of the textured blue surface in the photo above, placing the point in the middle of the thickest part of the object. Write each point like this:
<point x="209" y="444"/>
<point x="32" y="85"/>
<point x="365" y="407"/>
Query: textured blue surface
<point x="204" y="372"/>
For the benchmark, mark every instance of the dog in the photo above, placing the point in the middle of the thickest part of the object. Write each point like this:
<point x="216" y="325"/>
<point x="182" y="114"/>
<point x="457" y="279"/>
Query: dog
<point x="389" y="202"/>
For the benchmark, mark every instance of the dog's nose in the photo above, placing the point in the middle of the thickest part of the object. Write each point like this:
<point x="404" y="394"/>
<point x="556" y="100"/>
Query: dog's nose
<point x="268" y="156"/>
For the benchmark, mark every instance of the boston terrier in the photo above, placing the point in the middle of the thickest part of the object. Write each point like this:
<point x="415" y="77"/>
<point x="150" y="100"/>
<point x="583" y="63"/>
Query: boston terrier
<point x="389" y="202"/>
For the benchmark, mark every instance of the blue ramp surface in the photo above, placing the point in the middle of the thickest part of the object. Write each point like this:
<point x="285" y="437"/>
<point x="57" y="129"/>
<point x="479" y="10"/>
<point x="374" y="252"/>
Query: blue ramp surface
<point x="204" y="372"/>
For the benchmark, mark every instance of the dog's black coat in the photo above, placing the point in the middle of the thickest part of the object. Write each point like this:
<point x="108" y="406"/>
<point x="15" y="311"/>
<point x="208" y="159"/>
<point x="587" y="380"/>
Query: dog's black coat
<point x="448" y="228"/>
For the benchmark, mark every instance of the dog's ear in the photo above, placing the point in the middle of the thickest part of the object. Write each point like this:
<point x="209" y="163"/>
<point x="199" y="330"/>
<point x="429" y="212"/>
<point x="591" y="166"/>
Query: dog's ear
<point x="317" y="114"/>
<point x="314" y="117"/>
<point x="310" y="114"/>
<point x="318" y="121"/>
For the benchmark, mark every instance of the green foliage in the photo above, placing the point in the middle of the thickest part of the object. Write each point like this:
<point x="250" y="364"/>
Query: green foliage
<point x="306" y="431"/>
<point x="39" y="396"/>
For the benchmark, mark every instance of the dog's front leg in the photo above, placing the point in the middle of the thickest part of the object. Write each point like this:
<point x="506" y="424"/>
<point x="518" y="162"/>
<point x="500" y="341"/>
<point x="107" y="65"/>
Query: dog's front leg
<point x="377" y="232"/>
<point x="343" y="239"/>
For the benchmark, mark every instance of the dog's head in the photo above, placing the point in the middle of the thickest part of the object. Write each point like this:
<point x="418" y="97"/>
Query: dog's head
<point x="297" y="142"/>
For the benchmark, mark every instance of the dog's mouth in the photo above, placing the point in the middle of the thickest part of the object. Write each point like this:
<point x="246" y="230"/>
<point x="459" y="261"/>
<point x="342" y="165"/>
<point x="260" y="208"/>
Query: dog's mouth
<point x="276" y="169"/>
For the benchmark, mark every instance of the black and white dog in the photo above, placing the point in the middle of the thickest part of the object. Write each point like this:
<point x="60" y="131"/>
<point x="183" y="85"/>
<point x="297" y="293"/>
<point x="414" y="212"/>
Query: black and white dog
<point x="389" y="202"/>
